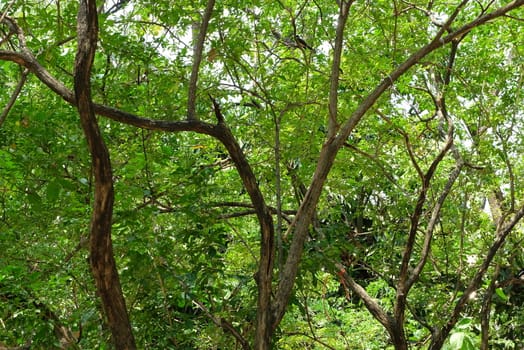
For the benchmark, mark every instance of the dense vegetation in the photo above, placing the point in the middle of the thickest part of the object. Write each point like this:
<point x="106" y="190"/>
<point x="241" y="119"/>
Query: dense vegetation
<point x="254" y="175"/>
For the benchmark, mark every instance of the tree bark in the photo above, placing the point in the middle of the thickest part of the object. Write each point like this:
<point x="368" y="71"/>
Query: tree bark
<point x="486" y="308"/>
<point x="199" y="36"/>
<point x="102" y="261"/>
<point x="264" y="275"/>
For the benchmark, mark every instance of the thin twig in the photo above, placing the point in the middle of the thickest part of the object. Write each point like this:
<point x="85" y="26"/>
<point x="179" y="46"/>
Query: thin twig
<point x="6" y="9"/>
<point x="223" y="323"/>
<point x="14" y="96"/>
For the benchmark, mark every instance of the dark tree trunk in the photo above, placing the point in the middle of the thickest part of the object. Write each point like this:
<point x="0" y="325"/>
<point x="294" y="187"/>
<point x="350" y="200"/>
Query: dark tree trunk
<point x="398" y="338"/>
<point x="101" y="250"/>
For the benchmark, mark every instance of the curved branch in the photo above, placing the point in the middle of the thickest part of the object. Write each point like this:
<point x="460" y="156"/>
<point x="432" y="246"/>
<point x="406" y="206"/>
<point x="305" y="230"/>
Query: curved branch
<point x="102" y="260"/>
<point x="417" y="212"/>
<point x="267" y="244"/>
<point x="220" y="131"/>
<point x="432" y="223"/>
<point x="407" y="142"/>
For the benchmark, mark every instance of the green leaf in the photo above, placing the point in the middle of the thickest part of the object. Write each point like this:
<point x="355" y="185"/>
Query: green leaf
<point x="501" y="294"/>
<point x="53" y="191"/>
<point x="456" y="340"/>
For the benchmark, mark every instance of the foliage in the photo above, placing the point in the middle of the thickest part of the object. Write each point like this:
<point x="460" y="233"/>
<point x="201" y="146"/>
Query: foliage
<point x="186" y="232"/>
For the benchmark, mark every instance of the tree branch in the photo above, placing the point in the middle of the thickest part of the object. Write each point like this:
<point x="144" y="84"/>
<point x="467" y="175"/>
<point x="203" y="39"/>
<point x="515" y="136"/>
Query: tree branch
<point x="374" y="308"/>
<point x="486" y="309"/>
<point x="333" y="144"/>
<point x="431" y="225"/>
<point x="224" y="324"/>
<point x="335" y="67"/>
<point x="26" y="58"/>
<point x="197" y="58"/>
<point x="267" y="244"/>
<point x="14" y="96"/>
<point x="436" y="43"/>
<point x="441" y="110"/>
<point x="273" y="210"/>
<point x="220" y="131"/>
<point x="502" y="232"/>
<point x="4" y="14"/>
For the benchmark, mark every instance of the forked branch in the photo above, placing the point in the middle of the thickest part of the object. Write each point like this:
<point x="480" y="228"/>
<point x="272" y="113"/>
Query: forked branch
<point x="333" y="144"/>
<point x="504" y="228"/>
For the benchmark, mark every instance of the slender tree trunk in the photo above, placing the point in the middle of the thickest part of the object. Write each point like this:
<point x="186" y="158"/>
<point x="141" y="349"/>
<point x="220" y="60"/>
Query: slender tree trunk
<point x="486" y="309"/>
<point x="101" y="250"/>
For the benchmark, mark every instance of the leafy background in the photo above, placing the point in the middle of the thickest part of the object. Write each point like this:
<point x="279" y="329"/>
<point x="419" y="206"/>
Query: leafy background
<point x="183" y="250"/>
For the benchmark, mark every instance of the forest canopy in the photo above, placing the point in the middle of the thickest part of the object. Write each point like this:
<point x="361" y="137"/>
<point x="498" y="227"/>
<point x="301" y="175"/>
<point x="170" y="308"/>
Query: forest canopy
<point x="313" y="174"/>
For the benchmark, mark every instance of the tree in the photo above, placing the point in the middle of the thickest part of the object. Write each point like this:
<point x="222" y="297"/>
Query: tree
<point x="411" y="109"/>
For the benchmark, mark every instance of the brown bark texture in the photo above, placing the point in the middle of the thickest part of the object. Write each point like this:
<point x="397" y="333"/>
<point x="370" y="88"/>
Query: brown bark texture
<point x="102" y="261"/>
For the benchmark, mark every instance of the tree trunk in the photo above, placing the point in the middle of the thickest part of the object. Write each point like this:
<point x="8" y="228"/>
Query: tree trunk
<point x="486" y="309"/>
<point x="398" y="337"/>
<point x="101" y="250"/>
